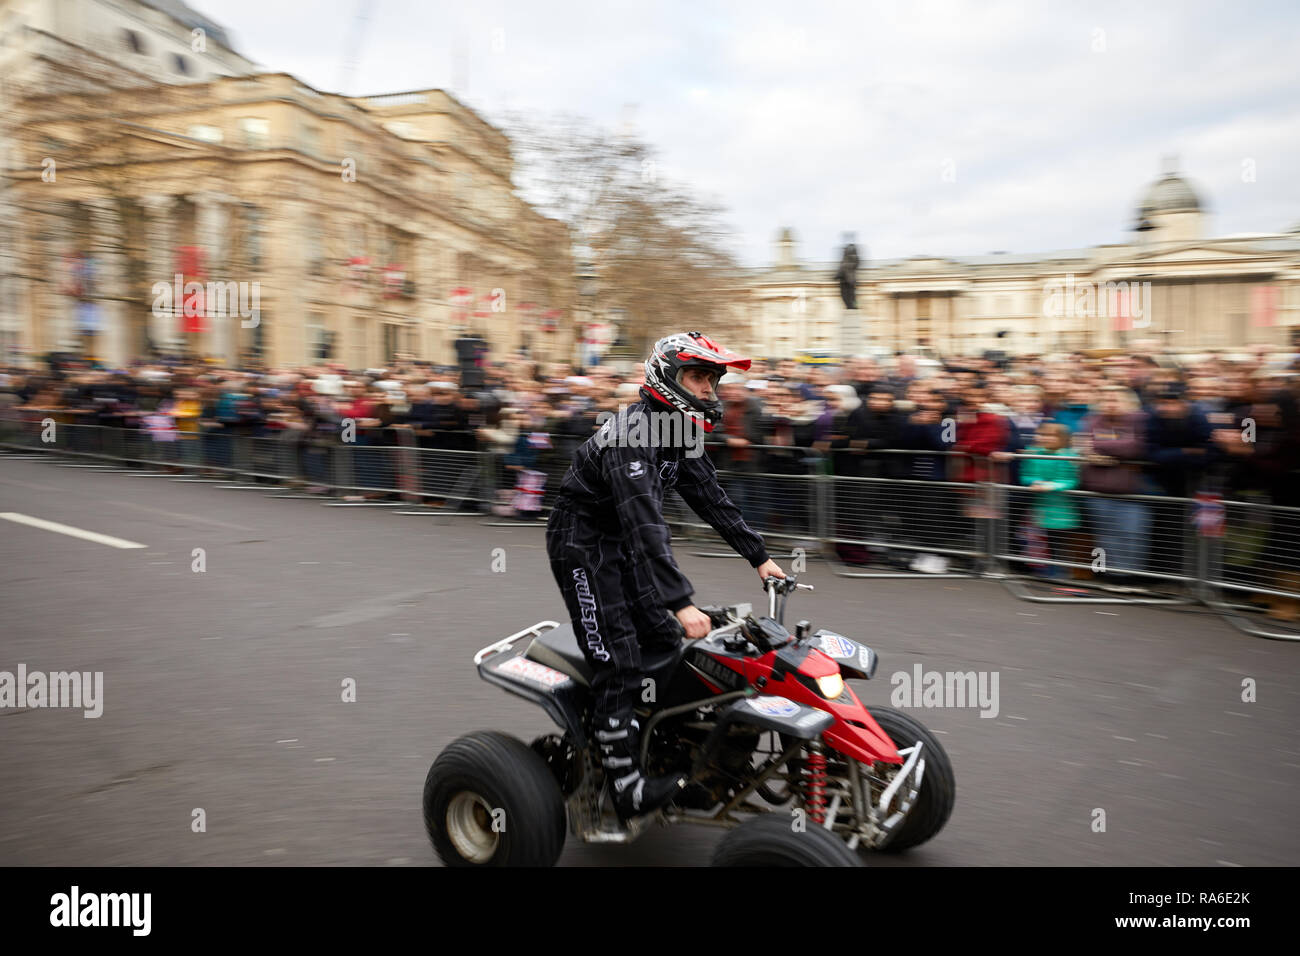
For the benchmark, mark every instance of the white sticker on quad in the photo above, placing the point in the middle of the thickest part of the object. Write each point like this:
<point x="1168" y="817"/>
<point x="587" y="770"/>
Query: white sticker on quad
<point x="531" y="670"/>
<point x="774" y="706"/>
<point x="838" y="647"/>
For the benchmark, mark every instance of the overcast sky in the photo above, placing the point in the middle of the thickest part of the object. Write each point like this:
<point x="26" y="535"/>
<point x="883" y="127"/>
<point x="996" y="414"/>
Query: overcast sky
<point x="923" y="127"/>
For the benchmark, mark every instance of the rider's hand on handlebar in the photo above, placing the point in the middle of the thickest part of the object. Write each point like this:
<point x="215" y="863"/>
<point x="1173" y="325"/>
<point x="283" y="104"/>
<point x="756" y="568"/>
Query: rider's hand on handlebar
<point x="769" y="569"/>
<point x="694" y="621"/>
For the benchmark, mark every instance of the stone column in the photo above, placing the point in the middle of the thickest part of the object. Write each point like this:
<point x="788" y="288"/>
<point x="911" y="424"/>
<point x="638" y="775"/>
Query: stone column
<point x="211" y="227"/>
<point x="896" y="319"/>
<point x="111" y="342"/>
<point x="164" y="326"/>
<point x="59" y="310"/>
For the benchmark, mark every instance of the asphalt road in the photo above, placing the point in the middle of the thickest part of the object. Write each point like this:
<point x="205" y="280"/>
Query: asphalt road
<point x="223" y="691"/>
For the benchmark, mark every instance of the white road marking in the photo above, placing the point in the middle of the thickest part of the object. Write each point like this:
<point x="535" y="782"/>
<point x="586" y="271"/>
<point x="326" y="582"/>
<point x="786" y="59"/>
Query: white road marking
<point x="70" y="531"/>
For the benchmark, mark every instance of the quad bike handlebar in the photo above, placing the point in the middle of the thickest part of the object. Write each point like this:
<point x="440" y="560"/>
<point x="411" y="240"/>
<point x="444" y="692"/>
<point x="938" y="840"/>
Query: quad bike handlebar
<point x="773" y="585"/>
<point x="782" y="586"/>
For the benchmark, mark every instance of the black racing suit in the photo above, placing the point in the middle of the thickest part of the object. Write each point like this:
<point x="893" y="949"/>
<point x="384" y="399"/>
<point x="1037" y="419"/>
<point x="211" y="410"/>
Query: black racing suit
<point x="609" y="549"/>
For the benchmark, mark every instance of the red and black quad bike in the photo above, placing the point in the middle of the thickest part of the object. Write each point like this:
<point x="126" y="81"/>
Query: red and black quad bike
<point x="776" y="746"/>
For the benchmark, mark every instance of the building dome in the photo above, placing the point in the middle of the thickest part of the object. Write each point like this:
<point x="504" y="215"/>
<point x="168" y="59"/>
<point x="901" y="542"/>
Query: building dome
<point x="1169" y="193"/>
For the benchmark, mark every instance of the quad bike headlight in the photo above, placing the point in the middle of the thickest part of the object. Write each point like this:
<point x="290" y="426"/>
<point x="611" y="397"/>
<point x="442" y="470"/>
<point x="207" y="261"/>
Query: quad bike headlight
<point x="831" y="686"/>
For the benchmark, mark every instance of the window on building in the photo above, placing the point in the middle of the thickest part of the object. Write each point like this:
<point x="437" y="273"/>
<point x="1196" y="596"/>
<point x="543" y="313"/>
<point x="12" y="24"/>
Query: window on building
<point x="256" y="132"/>
<point x="134" y="42"/>
<point x="253" y="236"/>
<point x="257" y="341"/>
<point x="390" y="343"/>
<point x="315" y="248"/>
<point x="310" y="138"/>
<point x="356" y="240"/>
<point x="209" y="134"/>
<point x="359" y="356"/>
<point x="181" y="64"/>
<point x="317" y="338"/>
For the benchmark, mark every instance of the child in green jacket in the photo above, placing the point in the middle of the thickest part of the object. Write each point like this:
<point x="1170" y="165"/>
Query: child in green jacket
<point x="1054" y="511"/>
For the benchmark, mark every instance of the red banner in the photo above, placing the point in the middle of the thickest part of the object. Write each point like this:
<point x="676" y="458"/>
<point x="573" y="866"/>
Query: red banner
<point x="1123" y="315"/>
<point x="1263" y="306"/>
<point x="189" y="265"/>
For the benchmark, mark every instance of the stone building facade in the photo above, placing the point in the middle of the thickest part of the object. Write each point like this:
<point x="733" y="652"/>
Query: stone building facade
<point x="1173" y="285"/>
<point x="371" y="229"/>
<point x="360" y="229"/>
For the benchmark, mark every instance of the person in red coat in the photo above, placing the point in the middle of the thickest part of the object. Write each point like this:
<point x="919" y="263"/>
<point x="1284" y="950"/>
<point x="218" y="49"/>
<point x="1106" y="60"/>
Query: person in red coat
<point x="980" y="433"/>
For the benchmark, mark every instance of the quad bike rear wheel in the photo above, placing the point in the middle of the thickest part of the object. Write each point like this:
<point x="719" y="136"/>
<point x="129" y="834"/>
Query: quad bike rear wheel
<point x="489" y="800"/>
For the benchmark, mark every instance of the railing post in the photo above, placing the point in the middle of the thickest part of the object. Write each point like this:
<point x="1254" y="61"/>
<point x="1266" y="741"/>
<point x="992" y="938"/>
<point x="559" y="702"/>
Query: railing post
<point x="343" y="469"/>
<point x="997" y="502"/>
<point x="492" y="466"/>
<point x="823" y="502"/>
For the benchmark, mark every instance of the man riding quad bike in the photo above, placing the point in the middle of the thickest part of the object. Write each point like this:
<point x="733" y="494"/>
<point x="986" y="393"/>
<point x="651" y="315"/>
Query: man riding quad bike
<point x="742" y="718"/>
<point x="609" y="549"/>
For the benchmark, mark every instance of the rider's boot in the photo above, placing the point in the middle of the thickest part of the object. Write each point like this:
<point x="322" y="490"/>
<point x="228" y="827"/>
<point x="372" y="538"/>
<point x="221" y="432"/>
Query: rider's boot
<point x="633" y="793"/>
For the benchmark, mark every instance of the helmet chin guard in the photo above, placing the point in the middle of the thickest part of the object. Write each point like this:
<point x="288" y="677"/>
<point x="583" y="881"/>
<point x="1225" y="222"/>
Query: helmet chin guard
<point x="672" y="356"/>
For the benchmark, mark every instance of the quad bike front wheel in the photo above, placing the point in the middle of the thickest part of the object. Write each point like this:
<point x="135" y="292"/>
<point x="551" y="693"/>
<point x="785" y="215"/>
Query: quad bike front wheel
<point x="938" y="785"/>
<point x="773" y="839"/>
<point x="490" y="800"/>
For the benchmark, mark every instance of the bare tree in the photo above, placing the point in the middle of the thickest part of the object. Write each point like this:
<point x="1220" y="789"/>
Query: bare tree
<point x="659" y="252"/>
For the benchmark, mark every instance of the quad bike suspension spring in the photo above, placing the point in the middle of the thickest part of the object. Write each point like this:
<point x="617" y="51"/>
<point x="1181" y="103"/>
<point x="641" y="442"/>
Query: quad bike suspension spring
<point x="815" y="784"/>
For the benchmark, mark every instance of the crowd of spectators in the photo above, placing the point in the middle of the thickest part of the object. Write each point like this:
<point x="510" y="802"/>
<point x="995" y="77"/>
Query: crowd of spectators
<point x="1121" y="424"/>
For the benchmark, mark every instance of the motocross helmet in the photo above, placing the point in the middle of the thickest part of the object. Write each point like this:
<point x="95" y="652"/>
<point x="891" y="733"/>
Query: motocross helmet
<point x="671" y="356"/>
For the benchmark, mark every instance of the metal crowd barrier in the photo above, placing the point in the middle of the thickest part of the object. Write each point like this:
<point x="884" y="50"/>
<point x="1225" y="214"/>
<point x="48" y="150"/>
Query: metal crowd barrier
<point x="781" y="495"/>
<point x="435" y="478"/>
<point x="1126" y="539"/>
<point x="886" y="523"/>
